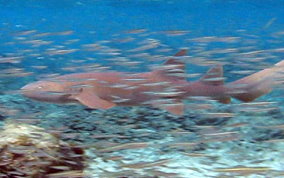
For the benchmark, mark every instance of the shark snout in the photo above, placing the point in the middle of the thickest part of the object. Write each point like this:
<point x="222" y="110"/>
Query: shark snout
<point x="32" y="87"/>
<point x="34" y="90"/>
<point x="28" y="91"/>
<point x="44" y="91"/>
<point x="25" y="88"/>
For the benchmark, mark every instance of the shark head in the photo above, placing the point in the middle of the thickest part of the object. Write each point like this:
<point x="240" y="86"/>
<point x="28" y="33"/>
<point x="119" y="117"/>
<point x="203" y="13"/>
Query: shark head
<point x="47" y="91"/>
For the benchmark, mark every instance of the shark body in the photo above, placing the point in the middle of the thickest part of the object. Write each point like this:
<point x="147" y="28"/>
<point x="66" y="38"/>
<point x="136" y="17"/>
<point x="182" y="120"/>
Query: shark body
<point x="164" y="88"/>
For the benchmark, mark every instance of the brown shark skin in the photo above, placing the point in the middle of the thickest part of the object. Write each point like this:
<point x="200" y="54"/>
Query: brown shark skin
<point x="103" y="85"/>
<point x="103" y="88"/>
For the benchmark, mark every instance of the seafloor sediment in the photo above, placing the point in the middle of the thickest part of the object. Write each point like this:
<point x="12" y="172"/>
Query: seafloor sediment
<point x="210" y="140"/>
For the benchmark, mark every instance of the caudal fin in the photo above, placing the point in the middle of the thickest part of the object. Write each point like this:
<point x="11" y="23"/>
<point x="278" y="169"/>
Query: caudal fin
<point x="253" y="86"/>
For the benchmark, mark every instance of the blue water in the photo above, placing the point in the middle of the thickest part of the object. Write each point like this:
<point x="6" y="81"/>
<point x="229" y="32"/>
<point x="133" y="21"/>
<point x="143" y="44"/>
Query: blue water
<point x="109" y="17"/>
<point x="203" y="18"/>
<point x="93" y="21"/>
<point x="255" y="22"/>
<point x="100" y="20"/>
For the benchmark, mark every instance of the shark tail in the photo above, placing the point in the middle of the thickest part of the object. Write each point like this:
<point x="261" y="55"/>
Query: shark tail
<point x="255" y="85"/>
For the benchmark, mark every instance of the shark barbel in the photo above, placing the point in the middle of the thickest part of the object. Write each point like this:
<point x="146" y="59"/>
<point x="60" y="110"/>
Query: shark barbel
<point x="164" y="87"/>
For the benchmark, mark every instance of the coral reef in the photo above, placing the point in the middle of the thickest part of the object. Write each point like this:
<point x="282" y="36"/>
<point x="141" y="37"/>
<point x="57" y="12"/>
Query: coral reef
<point x="30" y="151"/>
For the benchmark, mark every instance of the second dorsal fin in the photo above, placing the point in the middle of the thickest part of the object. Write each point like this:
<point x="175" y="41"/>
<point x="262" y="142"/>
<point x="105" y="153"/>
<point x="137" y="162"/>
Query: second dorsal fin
<point x="214" y="76"/>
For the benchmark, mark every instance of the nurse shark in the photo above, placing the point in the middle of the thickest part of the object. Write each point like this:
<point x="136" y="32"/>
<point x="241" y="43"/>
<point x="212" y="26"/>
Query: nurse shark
<point x="165" y="87"/>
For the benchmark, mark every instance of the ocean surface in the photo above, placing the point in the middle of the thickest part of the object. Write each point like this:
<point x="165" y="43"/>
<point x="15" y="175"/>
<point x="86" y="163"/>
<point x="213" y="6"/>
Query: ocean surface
<point x="41" y="39"/>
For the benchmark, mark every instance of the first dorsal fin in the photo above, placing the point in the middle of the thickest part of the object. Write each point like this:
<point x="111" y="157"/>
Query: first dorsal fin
<point x="173" y="61"/>
<point x="175" y="68"/>
<point x="214" y="76"/>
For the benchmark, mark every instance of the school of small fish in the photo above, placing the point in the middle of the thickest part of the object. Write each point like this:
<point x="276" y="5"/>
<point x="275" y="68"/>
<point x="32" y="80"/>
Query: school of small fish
<point x="240" y="53"/>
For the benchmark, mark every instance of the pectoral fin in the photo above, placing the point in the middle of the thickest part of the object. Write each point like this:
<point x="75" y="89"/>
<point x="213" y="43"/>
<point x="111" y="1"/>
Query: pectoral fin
<point x="89" y="99"/>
